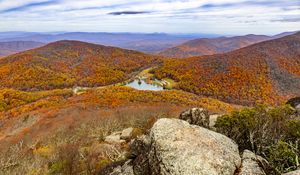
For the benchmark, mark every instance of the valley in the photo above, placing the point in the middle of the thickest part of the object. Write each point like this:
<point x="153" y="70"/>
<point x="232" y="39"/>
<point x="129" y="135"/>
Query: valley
<point x="149" y="87"/>
<point x="75" y="95"/>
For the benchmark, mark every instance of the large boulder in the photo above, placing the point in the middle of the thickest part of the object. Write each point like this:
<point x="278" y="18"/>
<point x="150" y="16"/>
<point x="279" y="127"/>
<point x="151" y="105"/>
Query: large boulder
<point x="250" y="164"/>
<point x="178" y="148"/>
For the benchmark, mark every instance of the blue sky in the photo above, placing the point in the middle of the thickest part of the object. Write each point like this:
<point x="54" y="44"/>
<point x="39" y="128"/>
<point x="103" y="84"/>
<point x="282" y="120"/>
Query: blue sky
<point x="146" y="16"/>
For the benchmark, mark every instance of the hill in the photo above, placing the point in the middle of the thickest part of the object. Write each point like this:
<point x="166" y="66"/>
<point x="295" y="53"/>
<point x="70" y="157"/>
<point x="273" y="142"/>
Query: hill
<point x="263" y="72"/>
<point x="210" y="46"/>
<point x="53" y="119"/>
<point x="69" y="63"/>
<point x="12" y="47"/>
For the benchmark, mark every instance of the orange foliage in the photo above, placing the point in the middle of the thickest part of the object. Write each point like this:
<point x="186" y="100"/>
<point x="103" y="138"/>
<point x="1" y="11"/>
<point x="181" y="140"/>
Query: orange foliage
<point x="116" y="97"/>
<point x="69" y="63"/>
<point x="246" y="76"/>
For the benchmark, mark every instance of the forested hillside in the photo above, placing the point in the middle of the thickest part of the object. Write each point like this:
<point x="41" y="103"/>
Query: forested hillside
<point x="210" y="46"/>
<point x="262" y="73"/>
<point x="68" y="63"/>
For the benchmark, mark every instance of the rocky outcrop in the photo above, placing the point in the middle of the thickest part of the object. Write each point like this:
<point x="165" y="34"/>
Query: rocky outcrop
<point x="297" y="172"/>
<point x="178" y="148"/>
<point x="250" y="164"/>
<point x="175" y="147"/>
<point x="200" y="117"/>
<point x="196" y="116"/>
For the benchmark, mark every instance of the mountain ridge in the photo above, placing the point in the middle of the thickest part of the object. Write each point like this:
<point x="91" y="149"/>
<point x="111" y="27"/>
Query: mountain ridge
<point x="211" y="46"/>
<point x="261" y="73"/>
<point x="69" y="63"/>
<point x="12" y="47"/>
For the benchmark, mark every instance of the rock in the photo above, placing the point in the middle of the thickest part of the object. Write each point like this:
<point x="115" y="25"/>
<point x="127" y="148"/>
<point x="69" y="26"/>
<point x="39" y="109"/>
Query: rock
<point x="114" y="138"/>
<point x="196" y="116"/>
<point x="294" y="102"/>
<point x="298" y="108"/>
<point x="125" y="169"/>
<point x="127" y="134"/>
<point x="250" y="165"/>
<point x="139" y="149"/>
<point x="297" y="172"/>
<point x="212" y="121"/>
<point x="178" y="148"/>
<point x="140" y="145"/>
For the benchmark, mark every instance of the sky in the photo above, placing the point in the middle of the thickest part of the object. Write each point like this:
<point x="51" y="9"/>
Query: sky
<point x="147" y="16"/>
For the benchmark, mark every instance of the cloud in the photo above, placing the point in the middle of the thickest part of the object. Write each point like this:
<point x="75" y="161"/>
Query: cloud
<point x="287" y="20"/>
<point x="128" y="13"/>
<point x="27" y="6"/>
<point x="196" y="16"/>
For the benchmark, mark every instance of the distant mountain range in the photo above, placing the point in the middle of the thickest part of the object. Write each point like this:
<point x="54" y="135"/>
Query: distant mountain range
<point x="12" y="47"/>
<point x="210" y="46"/>
<point x="69" y="63"/>
<point x="148" y="43"/>
<point x="169" y="45"/>
<point x="263" y="72"/>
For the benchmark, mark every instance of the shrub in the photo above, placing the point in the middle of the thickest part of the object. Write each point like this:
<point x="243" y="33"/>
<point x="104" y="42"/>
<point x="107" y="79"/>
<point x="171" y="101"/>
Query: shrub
<point x="273" y="133"/>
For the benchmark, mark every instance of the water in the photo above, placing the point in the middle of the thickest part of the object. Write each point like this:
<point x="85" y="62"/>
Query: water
<point x="144" y="86"/>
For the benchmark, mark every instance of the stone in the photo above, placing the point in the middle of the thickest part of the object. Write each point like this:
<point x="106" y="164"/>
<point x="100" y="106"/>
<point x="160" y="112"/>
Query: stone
<point x="196" y="116"/>
<point x="178" y="148"/>
<point x="139" y="149"/>
<point x="250" y="164"/>
<point x="127" y="134"/>
<point x="114" y="138"/>
<point x="212" y="121"/>
<point x="125" y="169"/>
<point x="298" y="108"/>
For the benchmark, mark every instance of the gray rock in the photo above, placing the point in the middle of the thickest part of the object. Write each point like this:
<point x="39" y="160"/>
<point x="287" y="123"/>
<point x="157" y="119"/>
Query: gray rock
<point x="140" y="145"/>
<point x="139" y="149"/>
<point x="298" y="109"/>
<point x="114" y="138"/>
<point x="127" y="134"/>
<point x="196" y="116"/>
<point x="212" y="121"/>
<point x="250" y="164"/>
<point x="125" y="169"/>
<point x="178" y="148"/>
<point x="297" y="172"/>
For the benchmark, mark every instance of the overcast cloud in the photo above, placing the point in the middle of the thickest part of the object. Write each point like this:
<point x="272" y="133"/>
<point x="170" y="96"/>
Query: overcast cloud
<point x="170" y="16"/>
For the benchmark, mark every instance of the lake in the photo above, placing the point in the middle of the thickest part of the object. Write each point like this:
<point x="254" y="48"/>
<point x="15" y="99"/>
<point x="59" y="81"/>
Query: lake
<point x="142" y="85"/>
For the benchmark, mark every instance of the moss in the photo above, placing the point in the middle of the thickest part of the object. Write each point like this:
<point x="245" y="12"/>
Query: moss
<point x="56" y="167"/>
<point x="103" y="163"/>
